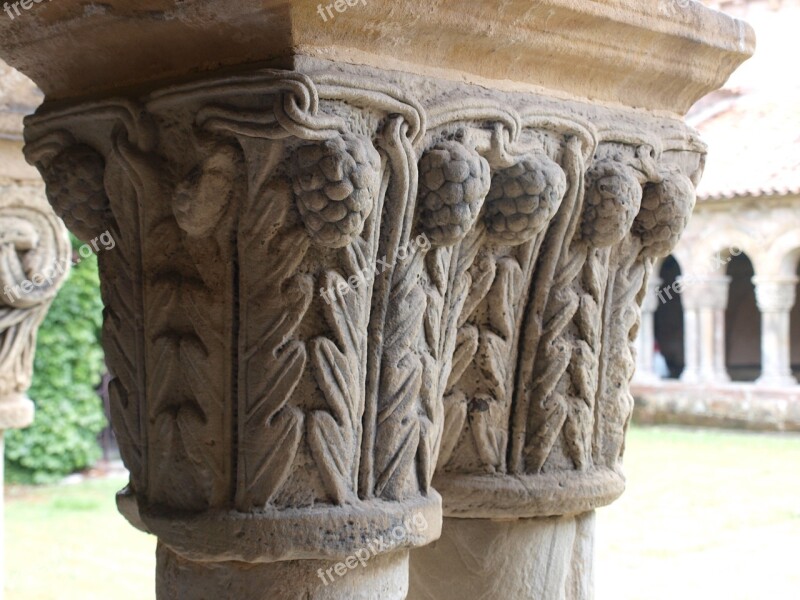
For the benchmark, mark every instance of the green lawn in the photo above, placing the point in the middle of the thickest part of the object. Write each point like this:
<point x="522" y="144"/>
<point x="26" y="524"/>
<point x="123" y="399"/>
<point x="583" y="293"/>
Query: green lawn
<point x="69" y="543"/>
<point x="707" y="516"/>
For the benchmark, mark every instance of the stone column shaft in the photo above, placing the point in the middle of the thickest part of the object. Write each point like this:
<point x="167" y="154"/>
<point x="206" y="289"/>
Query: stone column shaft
<point x="471" y="560"/>
<point x="775" y="300"/>
<point x="691" y="349"/>
<point x="646" y="340"/>
<point x="705" y="300"/>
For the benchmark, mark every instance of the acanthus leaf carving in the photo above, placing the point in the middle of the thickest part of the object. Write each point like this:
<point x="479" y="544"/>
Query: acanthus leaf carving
<point x="524" y="197"/>
<point x="564" y="390"/>
<point x="335" y="435"/>
<point x="273" y="361"/>
<point x="401" y="381"/>
<point x="468" y="262"/>
<point x="122" y="297"/>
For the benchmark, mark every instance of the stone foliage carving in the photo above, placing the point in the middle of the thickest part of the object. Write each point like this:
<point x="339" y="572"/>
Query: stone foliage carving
<point x="329" y="293"/>
<point x="35" y="256"/>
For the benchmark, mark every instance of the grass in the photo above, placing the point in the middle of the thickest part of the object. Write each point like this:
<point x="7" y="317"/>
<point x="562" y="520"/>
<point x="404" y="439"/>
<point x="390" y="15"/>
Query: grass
<point x="69" y="543"/>
<point x="707" y="515"/>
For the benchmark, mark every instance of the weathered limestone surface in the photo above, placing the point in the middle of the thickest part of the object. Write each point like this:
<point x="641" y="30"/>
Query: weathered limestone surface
<point x="654" y="54"/>
<point x="472" y="560"/>
<point x="381" y="577"/>
<point x="340" y="290"/>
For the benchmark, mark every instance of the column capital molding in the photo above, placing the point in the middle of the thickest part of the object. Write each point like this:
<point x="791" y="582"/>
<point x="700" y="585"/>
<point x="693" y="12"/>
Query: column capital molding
<point x="360" y="174"/>
<point x="655" y="55"/>
<point x="776" y="294"/>
<point x="704" y="291"/>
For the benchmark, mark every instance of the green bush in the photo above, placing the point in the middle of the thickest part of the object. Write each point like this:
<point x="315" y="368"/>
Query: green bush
<point x="67" y="370"/>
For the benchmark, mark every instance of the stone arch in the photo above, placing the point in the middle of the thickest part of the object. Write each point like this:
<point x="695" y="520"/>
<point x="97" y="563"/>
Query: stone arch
<point x="742" y="321"/>
<point x="676" y="256"/>
<point x="782" y="257"/>
<point x="668" y="323"/>
<point x="726" y="244"/>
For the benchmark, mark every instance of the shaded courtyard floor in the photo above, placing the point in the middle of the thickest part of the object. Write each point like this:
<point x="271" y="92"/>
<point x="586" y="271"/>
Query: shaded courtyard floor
<point x="708" y="515"/>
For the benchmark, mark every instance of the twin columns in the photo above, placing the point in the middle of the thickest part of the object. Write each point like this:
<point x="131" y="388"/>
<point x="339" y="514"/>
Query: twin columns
<point x="384" y="295"/>
<point x="705" y="301"/>
<point x="332" y="300"/>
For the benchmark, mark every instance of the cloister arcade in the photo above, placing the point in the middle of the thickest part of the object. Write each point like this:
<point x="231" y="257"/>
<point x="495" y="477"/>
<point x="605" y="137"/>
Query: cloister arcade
<point x="723" y="306"/>
<point x="722" y="310"/>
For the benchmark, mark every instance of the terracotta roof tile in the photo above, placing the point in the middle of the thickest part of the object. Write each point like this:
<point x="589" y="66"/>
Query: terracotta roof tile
<point x="752" y="126"/>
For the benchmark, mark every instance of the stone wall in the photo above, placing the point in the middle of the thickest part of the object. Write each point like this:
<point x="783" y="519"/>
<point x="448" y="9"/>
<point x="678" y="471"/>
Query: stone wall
<point x="731" y="406"/>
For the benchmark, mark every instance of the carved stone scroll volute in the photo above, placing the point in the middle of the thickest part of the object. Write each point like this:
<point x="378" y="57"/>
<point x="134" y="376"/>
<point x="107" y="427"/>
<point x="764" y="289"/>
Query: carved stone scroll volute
<point x="35" y="258"/>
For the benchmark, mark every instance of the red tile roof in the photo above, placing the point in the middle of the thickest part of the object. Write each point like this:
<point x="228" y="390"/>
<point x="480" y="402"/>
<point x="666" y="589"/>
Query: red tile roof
<point x="752" y="126"/>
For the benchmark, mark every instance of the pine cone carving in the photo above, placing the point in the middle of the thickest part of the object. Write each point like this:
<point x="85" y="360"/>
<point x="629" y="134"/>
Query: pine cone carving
<point x="336" y="183"/>
<point x="613" y="199"/>
<point x="453" y="183"/>
<point x="75" y="188"/>
<point x="666" y="208"/>
<point x="523" y="199"/>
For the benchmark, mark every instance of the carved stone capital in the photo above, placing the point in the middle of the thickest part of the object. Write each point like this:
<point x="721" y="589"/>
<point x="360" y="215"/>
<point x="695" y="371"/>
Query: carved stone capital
<point x="409" y="283"/>
<point x="411" y="264"/>
<point x="776" y="295"/>
<point x="35" y="255"/>
<point x="707" y="291"/>
<point x="538" y="402"/>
